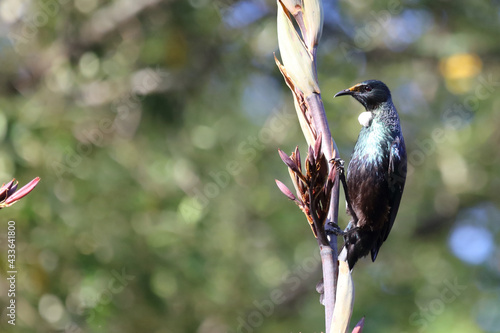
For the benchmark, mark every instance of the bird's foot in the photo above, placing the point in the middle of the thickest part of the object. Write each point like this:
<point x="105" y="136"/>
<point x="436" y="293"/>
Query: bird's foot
<point x="334" y="230"/>
<point x="338" y="163"/>
<point x="337" y="231"/>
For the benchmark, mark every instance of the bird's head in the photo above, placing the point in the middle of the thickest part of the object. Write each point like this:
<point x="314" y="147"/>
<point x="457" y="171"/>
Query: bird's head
<point x="370" y="93"/>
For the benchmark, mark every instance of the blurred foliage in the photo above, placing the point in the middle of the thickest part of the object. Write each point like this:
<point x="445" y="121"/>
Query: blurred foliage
<point x="154" y="126"/>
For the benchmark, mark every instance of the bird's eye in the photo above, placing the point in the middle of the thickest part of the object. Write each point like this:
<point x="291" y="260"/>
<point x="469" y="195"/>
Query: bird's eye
<point x="367" y="88"/>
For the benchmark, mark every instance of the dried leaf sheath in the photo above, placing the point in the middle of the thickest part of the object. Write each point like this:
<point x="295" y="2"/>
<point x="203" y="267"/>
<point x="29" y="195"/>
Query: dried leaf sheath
<point x="313" y="189"/>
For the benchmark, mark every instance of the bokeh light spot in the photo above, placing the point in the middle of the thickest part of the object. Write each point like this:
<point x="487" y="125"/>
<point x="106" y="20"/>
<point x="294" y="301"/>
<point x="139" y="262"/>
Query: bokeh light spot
<point x="11" y="10"/>
<point x="271" y="270"/>
<point x="190" y="210"/>
<point x="203" y="137"/>
<point x="163" y="283"/>
<point x="51" y="308"/>
<point x="472" y="244"/>
<point x="86" y="6"/>
<point x="89" y="64"/>
<point x="461" y="66"/>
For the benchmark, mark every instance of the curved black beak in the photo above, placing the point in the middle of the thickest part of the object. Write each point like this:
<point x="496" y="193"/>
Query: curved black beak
<point x="344" y="92"/>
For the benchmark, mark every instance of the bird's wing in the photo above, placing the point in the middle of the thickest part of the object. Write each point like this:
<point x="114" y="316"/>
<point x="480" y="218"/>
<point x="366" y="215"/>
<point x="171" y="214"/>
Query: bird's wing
<point x="396" y="182"/>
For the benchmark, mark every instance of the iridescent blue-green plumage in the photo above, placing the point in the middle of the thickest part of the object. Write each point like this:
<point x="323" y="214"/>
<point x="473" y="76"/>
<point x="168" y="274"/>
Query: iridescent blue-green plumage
<point x="376" y="173"/>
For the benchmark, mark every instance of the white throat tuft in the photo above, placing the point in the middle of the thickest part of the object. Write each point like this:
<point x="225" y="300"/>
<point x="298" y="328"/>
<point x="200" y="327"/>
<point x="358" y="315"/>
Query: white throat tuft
<point x="365" y="118"/>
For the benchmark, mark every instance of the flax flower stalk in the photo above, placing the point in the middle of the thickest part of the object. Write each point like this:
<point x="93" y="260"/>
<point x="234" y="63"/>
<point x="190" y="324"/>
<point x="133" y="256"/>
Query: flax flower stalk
<point x="317" y="190"/>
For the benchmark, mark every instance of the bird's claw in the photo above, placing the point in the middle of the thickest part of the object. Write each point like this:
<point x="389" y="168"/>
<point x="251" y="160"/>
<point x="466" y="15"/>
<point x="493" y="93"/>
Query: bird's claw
<point x="334" y="230"/>
<point x="337" y="231"/>
<point x="338" y="162"/>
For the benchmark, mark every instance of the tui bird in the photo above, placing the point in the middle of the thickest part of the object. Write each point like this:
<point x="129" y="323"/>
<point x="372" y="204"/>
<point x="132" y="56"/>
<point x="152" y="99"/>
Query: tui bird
<point x="376" y="174"/>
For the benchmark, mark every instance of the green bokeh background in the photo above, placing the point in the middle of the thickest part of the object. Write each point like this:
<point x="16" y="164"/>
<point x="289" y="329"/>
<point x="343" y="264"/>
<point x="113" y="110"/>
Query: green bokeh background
<point x="154" y="126"/>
